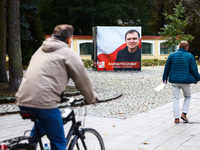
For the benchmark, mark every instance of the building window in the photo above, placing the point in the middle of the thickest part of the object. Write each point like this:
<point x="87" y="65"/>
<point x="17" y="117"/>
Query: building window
<point x="147" y="48"/>
<point x="166" y="49"/>
<point x="86" y="48"/>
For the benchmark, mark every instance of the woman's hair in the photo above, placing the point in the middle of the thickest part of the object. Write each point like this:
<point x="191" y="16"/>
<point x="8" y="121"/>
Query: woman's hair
<point x="63" y="31"/>
<point x="183" y="44"/>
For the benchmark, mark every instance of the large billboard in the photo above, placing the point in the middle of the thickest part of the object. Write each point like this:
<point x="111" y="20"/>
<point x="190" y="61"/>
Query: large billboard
<point x="117" y="48"/>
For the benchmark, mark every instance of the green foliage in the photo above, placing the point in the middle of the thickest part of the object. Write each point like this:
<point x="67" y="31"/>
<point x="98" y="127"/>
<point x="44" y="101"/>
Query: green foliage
<point x="198" y="62"/>
<point x="39" y="17"/>
<point x="145" y="62"/>
<point x="83" y="14"/>
<point x="31" y="28"/>
<point x="88" y="63"/>
<point x="149" y="14"/>
<point x="174" y="31"/>
<point x="153" y="62"/>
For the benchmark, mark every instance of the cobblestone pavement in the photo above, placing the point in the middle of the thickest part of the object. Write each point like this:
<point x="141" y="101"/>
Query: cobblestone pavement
<point x="136" y="87"/>
<point x="152" y="130"/>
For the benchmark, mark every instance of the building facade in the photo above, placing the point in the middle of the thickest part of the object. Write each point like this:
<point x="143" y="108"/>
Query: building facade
<point x="152" y="47"/>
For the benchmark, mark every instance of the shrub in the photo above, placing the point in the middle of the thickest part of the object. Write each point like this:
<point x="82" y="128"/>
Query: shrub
<point x="145" y="62"/>
<point x="153" y="62"/>
<point x="88" y="63"/>
<point x="198" y="62"/>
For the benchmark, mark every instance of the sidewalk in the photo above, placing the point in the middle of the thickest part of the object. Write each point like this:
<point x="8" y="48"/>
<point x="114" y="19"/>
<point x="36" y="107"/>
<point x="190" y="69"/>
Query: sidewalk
<point x="154" y="130"/>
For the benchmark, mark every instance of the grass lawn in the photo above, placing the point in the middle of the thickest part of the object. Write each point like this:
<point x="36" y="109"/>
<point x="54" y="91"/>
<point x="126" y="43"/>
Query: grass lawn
<point x="5" y="92"/>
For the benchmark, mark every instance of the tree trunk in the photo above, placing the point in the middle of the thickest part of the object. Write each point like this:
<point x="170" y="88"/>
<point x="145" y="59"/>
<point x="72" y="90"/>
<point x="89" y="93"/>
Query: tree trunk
<point x="3" y="75"/>
<point x="14" y="45"/>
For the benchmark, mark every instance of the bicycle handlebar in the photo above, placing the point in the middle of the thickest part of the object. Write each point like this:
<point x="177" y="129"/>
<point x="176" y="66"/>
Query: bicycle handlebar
<point x="75" y="102"/>
<point x="72" y="100"/>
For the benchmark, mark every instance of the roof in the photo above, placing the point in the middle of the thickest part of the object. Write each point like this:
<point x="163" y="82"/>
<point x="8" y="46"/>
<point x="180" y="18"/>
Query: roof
<point x="90" y="37"/>
<point x="151" y="37"/>
<point x="82" y="37"/>
<point x="75" y="36"/>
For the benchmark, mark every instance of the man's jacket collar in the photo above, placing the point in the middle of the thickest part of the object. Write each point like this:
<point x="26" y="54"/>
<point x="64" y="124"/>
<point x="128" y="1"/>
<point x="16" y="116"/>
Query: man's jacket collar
<point x="182" y="50"/>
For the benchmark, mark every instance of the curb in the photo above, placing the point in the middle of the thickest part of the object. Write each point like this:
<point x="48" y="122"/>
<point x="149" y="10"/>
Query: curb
<point x="11" y="100"/>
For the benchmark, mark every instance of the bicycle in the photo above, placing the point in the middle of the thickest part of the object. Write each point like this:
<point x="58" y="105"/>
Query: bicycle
<point x="78" y="138"/>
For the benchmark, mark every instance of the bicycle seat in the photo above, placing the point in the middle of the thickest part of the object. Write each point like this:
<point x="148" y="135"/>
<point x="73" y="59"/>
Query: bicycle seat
<point x="26" y="114"/>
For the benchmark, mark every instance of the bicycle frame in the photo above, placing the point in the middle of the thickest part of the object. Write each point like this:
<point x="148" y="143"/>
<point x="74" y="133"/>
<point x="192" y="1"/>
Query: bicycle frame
<point x="68" y="116"/>
<point x="74" y="129"/>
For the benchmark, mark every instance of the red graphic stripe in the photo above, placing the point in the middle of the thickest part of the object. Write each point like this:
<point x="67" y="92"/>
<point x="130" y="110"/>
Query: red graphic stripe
<point x="109" y="58"/>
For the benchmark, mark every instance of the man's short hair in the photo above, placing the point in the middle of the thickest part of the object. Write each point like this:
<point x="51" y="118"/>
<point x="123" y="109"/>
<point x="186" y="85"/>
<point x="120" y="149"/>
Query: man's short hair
<point x="183" y="44"/>
<point x="63" y="31"/>
<point x="132" y="31"/>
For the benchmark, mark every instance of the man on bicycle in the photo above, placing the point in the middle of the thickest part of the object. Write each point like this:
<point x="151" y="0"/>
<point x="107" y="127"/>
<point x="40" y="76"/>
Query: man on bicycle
<point x="48" y="73"/>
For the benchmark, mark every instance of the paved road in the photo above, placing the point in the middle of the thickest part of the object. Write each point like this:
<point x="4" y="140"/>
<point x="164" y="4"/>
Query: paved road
<point x="154" y="130"/>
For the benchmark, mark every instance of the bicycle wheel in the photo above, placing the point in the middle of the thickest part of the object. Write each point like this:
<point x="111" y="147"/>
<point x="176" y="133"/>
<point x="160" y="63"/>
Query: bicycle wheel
<point x="22" y="147"/>
<point x="92" y="139"/>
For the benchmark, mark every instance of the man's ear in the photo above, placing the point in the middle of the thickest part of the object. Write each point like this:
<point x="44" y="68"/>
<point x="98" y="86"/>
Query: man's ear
<point x="187" y="48"/>
<point x="67" y="40"/>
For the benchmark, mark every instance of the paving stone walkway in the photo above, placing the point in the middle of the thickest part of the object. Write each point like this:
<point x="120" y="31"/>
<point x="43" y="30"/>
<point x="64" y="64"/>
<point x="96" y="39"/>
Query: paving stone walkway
<point x="154" y="130"/>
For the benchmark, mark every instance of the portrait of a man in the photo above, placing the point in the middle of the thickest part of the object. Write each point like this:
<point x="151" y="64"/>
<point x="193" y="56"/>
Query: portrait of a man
<point x="132" y="52"/>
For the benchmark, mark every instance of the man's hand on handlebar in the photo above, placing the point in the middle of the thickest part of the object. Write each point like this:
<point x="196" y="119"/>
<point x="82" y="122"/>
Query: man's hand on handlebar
<point x="96" y="101"/>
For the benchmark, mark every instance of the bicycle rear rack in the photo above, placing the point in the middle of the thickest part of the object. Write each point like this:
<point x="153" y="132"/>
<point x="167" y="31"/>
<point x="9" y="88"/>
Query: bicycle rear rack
<point x="10" y="142"/>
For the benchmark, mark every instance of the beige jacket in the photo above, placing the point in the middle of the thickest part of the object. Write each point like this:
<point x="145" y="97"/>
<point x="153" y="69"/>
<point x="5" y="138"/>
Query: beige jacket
<point x="49" y="71"/>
